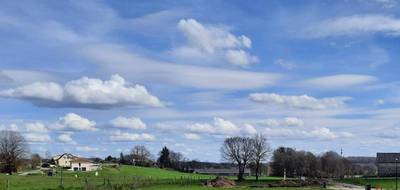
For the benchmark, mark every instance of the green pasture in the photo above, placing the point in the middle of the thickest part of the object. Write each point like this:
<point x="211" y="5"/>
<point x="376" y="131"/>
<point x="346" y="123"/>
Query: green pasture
<point x="385" y="183"/>
<point x="125" y="177"/>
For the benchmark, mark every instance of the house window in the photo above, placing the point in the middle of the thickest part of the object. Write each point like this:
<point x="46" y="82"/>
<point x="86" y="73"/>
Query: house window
<point x="83" y="168"/>
<point x="75" y="169"/>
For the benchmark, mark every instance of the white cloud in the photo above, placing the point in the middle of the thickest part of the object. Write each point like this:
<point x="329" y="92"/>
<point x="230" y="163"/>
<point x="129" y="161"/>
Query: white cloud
<point x="355" y="25"/>
<point x="240" y="57"/>
<point x="122" y="136"/>
<point x="206" y="41"/>
<point x="24" y="76"/>
<point x="37" y="127"/>
<point x="201" y="128"/>
<point x="220" y="126"/>
<point x="66" y="138"/>
<point x="130" y="123"/>
<point x="321" y="133"/>
<point x="249" y="129"/>
<point x="35" y="137"/>
<point x="87" y="149"/>
<point x="36" y="91"/>
<point x="74" y="122"/>
<point x="284" y="64"/>
<point x="191" y="136"/>
<point x="140" y="68"/>
<point x="343" y="81"/>
<point x="288" y="121"/>
<point x="84" y="92"/>
<point x="302" y="101"/>
<point x="293" y="121"/>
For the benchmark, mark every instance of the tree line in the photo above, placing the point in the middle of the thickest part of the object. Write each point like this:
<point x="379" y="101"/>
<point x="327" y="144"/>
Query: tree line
<point x="241" y="152"/>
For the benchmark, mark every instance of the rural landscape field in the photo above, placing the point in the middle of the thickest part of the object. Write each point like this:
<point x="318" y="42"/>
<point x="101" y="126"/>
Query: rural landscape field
<point x="199" y="94"/>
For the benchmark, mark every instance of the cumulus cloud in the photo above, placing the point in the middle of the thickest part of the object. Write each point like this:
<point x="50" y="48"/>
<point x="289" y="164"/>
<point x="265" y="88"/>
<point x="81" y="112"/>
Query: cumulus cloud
<point x="240" y="57"/>
<point x="220" y="126"/>
<point x="87" y="149"/>
<point x="320" y="133"/>
<point x="36" y="91"/>
<point x="66" y="138"/>
<point x="323" y="133"/>
<point x="36" y="127"/>
<point x="343" y="81"/>
<point x="356" y="25"/>
<point x="302" y="101"/>
<point x="288" y="121"/>
<point x="122" y="136"/>
<point x="207" y="40"/>
<point x="191" y="136"/>
<point x="249" y="129"/>
<point x="129" y="123"/>
<point x="85" y="92"/>
<point x="37" y="137"/>
<point x="74" y="122"/>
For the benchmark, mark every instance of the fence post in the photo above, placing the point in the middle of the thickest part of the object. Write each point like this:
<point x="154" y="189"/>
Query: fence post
<point x="8" y="184"/>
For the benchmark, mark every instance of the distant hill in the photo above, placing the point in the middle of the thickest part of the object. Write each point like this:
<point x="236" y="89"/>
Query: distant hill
<point x="361" y="159"/>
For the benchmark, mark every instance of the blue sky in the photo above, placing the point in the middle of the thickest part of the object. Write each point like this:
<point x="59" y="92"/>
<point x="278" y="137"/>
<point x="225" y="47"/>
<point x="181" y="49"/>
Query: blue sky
<point x="97" y="77"/>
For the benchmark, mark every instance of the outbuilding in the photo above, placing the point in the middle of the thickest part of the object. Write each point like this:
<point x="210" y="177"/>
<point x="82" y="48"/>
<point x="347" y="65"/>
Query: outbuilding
<point x="82" y="164"/>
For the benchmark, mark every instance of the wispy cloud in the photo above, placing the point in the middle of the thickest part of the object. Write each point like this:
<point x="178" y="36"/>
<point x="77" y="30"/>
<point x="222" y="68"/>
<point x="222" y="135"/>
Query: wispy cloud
<point x="355" y="25"/>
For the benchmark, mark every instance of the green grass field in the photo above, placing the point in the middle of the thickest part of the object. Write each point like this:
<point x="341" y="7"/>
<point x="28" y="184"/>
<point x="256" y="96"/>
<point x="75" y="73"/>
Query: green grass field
<point x="385" y="183"/>
<point x="143" y="177"/>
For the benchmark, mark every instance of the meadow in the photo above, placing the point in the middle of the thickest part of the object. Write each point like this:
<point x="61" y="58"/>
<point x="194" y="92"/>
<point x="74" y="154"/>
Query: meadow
<point x="121" y="178"/>
<point x="385" y="183"/>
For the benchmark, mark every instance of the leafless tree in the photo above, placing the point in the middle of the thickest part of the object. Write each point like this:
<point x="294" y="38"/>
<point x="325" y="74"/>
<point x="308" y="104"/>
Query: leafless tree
<point x="141" y="154"/>
<point x="238" y="150"/>
<point x="261" y="152"/>
<point x="36" y="160"/>
<point x="13" y="148"/>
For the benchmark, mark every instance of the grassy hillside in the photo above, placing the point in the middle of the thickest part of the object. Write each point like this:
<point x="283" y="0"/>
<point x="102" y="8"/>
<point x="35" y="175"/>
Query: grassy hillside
<point x="385" y="183"/>
<point x="123" y="174"/>
<point x="127" y="176"/>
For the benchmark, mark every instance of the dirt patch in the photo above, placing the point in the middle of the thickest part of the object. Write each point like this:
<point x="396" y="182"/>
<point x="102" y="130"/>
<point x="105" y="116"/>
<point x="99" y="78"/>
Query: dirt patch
<point x="220" y="182"/>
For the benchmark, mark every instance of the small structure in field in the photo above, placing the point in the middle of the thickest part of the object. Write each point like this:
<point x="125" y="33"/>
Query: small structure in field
<point x="82" y="164"/>
<point x="386" y="164"/>
<point x="222" y="172"/>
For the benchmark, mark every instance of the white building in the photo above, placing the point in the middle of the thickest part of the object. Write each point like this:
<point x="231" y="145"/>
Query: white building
<point x="64" y="160"/>
<point x="82" y="164"/>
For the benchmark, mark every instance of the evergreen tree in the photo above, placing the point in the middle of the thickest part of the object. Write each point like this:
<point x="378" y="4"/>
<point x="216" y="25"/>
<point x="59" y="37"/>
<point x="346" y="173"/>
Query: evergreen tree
<point x="121" y="158"/>
<point x="164" y="159"/>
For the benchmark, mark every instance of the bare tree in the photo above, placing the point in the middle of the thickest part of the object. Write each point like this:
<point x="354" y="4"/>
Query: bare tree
<point x="13" y="149"/>
<point x="238" y="150"/>
<point x="261" y="152"/>
<point x="141" y="154"/>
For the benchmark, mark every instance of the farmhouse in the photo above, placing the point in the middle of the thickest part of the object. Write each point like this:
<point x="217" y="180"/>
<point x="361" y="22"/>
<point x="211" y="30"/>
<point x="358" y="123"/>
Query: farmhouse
<point x="221" y="172"/>
<point x="82" y="164"/>
<point x="386" y="163"/>
<point x="64" y="160"/>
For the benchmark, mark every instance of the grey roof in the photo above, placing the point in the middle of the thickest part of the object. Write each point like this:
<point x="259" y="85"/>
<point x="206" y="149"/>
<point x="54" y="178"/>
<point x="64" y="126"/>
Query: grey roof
<point x="68" y="155"/>
<point x="387" y="157"/>
<point x="219" y="171"/>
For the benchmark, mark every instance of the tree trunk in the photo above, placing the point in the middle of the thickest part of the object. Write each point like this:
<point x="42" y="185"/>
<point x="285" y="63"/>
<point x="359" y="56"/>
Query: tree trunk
<point x="240" y="174"/>
<point x="257" y="170"/>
